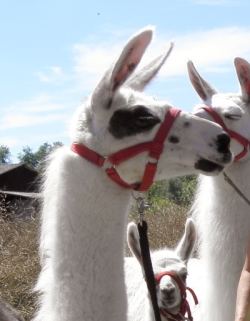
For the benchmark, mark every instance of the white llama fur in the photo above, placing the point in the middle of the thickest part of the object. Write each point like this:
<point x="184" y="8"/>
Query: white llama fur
<point x="84" y="212"/>
<point x="221" y="216"/>
<point x="168" y="292"/>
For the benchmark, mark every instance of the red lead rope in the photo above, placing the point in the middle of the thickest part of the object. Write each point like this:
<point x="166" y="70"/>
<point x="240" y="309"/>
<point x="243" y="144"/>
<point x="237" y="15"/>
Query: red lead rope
<point x="154" y="148"/>
<point x="185" y="308"/>
<point x="242" y="140"/>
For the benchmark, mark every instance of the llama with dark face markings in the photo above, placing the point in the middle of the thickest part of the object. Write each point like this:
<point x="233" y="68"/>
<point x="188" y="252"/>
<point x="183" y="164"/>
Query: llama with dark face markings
<point x="84" y="210"/>
<point x="221" y="216"/>
<point x="169" y="295"/>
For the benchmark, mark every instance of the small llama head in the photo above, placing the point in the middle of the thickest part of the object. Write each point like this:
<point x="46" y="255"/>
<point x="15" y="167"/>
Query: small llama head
<point x="233" y="110"/>
<point x="169" y="294"/>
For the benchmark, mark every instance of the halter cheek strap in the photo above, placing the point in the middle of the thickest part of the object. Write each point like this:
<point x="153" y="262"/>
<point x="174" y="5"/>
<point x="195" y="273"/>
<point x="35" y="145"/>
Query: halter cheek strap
<point x="184" y="308"/>
<point x="154" y="148"/>
<point x="242" y="140"/>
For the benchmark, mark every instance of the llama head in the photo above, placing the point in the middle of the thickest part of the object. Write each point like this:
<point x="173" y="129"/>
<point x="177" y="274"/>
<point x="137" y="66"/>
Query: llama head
<point x="233" y="109"/>
<point x="169" y="295"/>
<point x="118" y="115"/>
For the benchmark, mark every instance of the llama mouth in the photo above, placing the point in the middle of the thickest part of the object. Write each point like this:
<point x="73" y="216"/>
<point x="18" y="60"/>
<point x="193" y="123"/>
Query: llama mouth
<point x="207" y="166"/>
<point x="168" y="303"/>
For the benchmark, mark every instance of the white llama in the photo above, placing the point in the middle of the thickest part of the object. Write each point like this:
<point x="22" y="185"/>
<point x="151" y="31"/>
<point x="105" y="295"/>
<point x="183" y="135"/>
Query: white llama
<point x="84" y="210"/>
<point x="221" y="216"/>
<point x="169" y="294"/>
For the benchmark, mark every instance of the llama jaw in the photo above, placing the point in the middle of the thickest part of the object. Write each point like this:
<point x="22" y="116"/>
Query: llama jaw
<point x="170" y="303"/>
<point x="208" y="167"/>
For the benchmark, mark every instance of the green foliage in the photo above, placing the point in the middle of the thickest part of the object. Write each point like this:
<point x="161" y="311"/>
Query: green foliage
<point x="28" y="157"/>
<point x="5" y="155"/>
<point x="178" y="190"/>
<point x="35" y="159"/>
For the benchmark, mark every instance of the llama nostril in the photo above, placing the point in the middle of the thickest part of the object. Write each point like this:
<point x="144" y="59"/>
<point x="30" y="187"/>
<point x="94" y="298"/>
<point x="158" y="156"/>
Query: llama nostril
<point x="223" y="141"/>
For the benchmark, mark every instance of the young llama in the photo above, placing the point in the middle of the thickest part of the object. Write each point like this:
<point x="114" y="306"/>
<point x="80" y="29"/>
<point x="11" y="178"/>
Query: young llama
<point x="87" y="196"/>
<point x="221" y="216"/>
<point x="169" y="294"/>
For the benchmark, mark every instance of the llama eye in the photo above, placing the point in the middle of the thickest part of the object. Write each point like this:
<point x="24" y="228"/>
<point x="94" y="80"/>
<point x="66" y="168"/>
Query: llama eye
<point x="232" y="117"/>
<point x="184" y="277"/>
<point x="145" y="121"/>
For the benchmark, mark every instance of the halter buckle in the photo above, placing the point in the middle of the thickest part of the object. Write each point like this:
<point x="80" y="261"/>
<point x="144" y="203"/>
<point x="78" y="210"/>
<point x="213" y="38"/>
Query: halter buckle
<point x="141" y="205"/>
<point x="149" y="158"/>
<point x="107" y="163"/>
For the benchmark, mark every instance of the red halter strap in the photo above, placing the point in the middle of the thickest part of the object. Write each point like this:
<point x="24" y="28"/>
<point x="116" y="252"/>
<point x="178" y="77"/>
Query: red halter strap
<point x="242" y="140"/>
<point x="154" y="148"/>
<point x="185" y="308"/>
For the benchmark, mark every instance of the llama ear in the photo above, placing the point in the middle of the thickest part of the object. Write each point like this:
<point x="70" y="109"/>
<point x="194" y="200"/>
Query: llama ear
<point x="203" y="88"/>
<point x="186" y="245"/>
<point x="143" y="77"/>
<point x="122" y="69"/>
<point x="133" y="241"/>
<point x="243" y="73"/>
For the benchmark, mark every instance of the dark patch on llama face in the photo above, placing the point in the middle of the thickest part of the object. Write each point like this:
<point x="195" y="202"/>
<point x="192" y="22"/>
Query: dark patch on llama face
<point x="174" y="139"/>
<point x="186" y="124"/>
<point x="128" y="122"/>
<point x="222" y="142"/>
<point x="207" y="166"/>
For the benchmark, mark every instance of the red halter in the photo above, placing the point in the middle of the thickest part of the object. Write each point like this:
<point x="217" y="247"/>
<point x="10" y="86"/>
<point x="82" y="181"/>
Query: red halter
<point x="242" y="140"/>
<point x="185" y="308"/>
<point x="154" y="148"/>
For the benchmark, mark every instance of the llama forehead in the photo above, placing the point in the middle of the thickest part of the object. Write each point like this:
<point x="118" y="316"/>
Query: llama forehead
<point x="224" y="101"/>
<point x="124" y="101"/>
<point x="170" y="265"/>
<point x="127" y="98"/>
<point x="223" y="104"/>
<point x="166" y="258"/>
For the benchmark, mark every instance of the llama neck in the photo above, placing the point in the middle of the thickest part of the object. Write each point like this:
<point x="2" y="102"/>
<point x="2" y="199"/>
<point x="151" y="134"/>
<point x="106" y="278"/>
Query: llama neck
<point x="86" y="242"/>
<point x="223" y="223"/>
<point x="216" y="188"/>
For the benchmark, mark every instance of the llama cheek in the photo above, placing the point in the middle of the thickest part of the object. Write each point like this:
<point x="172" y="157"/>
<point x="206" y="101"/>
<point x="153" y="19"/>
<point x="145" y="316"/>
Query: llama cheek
<point x="132" y="170"/>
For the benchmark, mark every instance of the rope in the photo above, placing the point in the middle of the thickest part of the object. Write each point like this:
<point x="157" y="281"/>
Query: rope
<point x="231" y="183"/>
<point x="147" y="265"/>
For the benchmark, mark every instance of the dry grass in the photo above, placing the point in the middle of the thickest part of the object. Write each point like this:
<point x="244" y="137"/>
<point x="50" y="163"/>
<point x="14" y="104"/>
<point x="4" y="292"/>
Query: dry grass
<point x="166" y="224"/>
<point x="19" y="265"/>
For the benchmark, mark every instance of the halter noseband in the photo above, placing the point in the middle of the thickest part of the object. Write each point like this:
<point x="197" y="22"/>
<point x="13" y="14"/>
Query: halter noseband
<point x="184" y="308"/>
<point x="154" y="148"/>
<point x="242" y="140"/>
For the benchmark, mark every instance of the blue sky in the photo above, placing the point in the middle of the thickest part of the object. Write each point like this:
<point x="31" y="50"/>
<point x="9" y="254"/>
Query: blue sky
<point x="54" y="52"/>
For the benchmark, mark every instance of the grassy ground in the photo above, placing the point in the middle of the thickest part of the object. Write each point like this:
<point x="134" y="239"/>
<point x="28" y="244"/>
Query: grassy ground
<point x="19" y="264"/>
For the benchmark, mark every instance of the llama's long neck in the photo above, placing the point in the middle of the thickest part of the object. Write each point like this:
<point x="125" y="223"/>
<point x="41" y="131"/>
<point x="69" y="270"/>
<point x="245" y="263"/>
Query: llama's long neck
<point x="88" y="214"/>
<point x="223" y="221"/>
